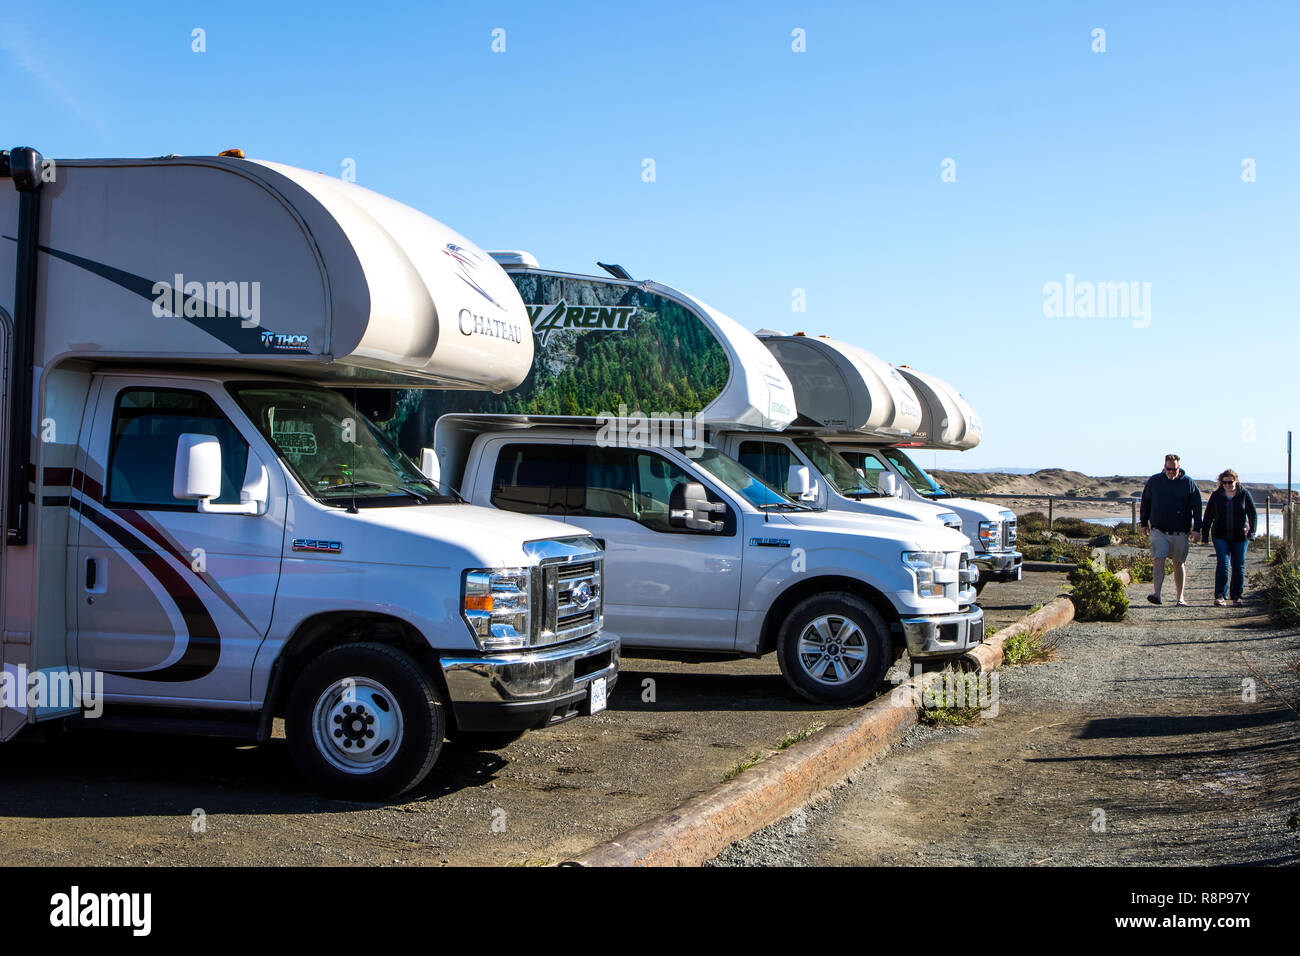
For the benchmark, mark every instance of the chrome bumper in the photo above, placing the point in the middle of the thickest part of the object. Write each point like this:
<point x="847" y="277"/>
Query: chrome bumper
<point x="944" y="635"/>
<point x="1000" y="565"/>
<point x="525" y="690"/>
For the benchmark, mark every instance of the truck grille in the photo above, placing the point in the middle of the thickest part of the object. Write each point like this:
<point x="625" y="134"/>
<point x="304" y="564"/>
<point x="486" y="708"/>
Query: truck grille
<point x="574" y="599"/>
<point x="1009" y="534"/>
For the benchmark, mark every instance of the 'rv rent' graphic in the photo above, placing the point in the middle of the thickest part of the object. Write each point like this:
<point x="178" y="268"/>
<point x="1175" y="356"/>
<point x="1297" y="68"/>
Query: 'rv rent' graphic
<point x="562" y="317"/>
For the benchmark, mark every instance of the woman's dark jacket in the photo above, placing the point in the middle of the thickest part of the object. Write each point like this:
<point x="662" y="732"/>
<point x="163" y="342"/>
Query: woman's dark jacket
<point x="1230" y="519"/>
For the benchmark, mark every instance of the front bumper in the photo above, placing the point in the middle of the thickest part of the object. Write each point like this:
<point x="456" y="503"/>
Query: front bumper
<point x="1000" y="565"/>
<point x="526" y="690"/>
<point x="944" y="635"/>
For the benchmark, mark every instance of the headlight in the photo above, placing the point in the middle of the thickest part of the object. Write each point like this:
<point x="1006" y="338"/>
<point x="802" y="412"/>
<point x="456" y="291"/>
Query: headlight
<point x="951" y="520"/>
<point x="495" y="605"/>
<point x="1009" y="522"/>
<point x="923" y="565"/>
<point x="991" y="535"/>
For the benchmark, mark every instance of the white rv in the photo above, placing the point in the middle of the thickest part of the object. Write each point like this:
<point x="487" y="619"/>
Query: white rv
<point x="199" y="516"/>
<point x="702" y="555"/>
<point x="870" y="412"/>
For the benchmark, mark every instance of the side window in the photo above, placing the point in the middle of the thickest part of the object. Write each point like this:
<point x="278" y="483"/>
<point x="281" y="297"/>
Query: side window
<point x="870" y="466"/>
<point x="142" y="452"/>
<point x="769" y="460"/>
<point x="536" y="479"/>
<point x="633" y="484"/>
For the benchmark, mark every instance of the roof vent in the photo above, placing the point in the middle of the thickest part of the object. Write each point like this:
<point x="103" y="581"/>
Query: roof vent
<point x="515" y="257"/>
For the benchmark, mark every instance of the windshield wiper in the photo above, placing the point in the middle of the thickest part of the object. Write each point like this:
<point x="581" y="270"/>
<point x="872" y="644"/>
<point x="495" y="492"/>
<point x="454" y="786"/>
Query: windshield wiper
<point x="783" y="506"/>
<point x="859" y="495"/>
<point x="353" y="484"/>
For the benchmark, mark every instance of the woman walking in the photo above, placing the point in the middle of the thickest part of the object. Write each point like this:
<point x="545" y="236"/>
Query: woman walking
<point x="1230" y="518"/>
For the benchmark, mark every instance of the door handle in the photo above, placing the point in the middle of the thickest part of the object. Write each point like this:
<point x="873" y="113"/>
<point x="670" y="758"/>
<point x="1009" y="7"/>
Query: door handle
<point x="92" y="569"/>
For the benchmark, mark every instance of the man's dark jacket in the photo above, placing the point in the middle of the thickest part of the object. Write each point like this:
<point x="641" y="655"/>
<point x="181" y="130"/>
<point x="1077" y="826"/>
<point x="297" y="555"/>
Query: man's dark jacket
<point x="1171" y="505"/>
<point x="1231" y="520"/>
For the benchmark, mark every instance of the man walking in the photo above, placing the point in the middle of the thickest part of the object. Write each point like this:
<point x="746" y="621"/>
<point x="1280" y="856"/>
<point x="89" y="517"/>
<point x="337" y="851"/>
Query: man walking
<point x="1171" y="507"/>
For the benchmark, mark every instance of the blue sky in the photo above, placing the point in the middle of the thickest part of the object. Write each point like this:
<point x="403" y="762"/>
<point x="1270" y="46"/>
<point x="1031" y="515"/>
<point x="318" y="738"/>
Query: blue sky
<point x="777" y="170"/>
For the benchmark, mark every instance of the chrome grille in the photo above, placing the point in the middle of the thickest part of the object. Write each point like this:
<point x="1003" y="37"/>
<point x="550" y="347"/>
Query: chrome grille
<point x="573" y="599"/>
<point x="1009" y="534"/>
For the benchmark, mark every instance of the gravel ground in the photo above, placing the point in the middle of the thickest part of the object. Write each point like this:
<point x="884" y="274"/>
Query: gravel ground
<point x="124" y="799"/>
<point x="1138" y="745"/>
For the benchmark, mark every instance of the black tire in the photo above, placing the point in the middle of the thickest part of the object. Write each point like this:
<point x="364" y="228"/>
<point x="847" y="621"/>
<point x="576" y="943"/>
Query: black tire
<point x="404" y="704"/>
<point x="484" y="739"/>
<point x="850" y="685"/>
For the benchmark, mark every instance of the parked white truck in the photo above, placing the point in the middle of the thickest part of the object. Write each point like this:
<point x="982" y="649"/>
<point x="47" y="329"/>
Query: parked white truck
<point x="702" y="555"/>
<point x="196" y="513"/>
<point x="869" y="412"/>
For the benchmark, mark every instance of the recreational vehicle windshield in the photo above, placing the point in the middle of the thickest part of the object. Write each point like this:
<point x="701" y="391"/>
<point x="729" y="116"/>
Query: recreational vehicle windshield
<point x="201" y="522"/>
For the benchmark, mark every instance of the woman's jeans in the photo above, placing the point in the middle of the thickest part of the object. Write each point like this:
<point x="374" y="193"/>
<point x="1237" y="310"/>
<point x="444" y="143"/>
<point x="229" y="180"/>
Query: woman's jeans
<point x="1223" y="550"/>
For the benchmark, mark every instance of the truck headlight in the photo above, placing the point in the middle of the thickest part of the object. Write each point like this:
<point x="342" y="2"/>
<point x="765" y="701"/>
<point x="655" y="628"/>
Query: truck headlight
<point x="923" y="565"/>
<point x="495" y="603"/>
<point x="951" y="519"/>
<point x="1009" y="526"/>
<point x="991" y="535"/>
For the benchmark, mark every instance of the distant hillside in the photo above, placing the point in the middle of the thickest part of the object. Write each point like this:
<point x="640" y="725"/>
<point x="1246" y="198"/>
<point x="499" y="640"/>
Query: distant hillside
<point x="1060" y="481"/>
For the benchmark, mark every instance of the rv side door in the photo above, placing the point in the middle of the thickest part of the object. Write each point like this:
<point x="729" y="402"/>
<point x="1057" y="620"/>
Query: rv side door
<point x="171" y="602"/>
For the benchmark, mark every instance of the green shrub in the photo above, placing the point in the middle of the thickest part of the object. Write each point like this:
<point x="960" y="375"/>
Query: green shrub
<point x="1031" y="521"/>
<point x="1284" y="593"/>
<point x="944" y="704"/>
<point x="1138" y="564"/>
<point x="1097" y="595"/>
<point x="1028" y="647"/>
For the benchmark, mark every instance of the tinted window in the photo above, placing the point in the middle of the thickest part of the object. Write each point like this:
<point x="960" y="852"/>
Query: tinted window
<point x="636" y="485"/>
<point x="537" y="479"/>
<point x="869" y="465"/>
<point x="769" y="460"/>
<point x="142" y="456"/>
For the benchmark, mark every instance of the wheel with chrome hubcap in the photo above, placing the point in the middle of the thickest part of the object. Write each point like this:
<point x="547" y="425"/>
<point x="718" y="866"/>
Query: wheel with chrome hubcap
<point x="364" y="721"/>
<point x="834" y="648"/>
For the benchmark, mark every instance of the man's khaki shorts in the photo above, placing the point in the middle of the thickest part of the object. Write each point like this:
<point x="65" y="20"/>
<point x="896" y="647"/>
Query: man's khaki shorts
<point x="1172" y="546"/>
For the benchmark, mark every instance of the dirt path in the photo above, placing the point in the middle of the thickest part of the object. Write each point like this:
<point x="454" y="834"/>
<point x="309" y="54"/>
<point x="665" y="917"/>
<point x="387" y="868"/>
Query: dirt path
<point x="1135" y="746"/>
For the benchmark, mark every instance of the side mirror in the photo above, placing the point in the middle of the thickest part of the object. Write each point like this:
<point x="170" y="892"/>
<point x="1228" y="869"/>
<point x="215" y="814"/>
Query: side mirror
<point x="197" y="477"/>
<point x="429" y="464"/>
<point x="798" y="481"/>
<point x="889" y="484"/>
<point x="197" y="473"/>
<point x="689" y="507"/>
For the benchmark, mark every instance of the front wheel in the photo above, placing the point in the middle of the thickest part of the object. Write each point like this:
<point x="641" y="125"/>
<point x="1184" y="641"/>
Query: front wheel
<point x="834" y="648"/>
<point x="364" y="721"/>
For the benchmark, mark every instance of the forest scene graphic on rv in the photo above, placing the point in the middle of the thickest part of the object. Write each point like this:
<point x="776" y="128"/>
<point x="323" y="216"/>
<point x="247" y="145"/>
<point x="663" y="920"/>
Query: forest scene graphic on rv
<point x="605" y="344"/>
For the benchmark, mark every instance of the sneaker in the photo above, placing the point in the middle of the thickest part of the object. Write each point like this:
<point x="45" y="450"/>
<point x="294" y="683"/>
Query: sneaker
<point x="1239" y="602"/>
<point x="1220" y="602"/>
<point x="1153" y="598"/>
